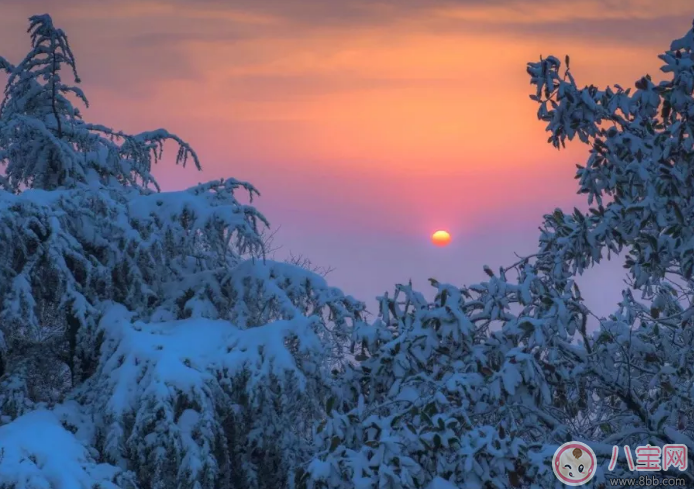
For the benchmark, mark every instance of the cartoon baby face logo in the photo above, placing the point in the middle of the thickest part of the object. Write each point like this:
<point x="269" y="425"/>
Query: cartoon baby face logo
<point x="574" y="463"/>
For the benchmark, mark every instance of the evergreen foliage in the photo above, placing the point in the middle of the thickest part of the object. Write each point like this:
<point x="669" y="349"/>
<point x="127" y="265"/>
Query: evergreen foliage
<point x="146" y="340"/>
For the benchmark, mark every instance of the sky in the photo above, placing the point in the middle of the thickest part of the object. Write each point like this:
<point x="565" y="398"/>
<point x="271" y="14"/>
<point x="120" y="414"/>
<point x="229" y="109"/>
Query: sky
<point x="365" y="124"/>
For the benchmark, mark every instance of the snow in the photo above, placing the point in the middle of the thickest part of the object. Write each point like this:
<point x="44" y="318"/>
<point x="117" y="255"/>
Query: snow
<point x="37" y="452"/>
<point x="440" y="483"/>
<point x="151" y="358"/>
<point x="146" y="342"/>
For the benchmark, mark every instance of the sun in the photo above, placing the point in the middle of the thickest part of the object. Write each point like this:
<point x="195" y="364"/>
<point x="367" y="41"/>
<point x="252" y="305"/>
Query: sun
<point x="441" y="238"/>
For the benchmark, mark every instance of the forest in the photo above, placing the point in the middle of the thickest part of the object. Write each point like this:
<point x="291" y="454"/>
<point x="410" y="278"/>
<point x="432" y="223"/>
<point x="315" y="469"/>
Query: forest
<point x="148" y="341"/>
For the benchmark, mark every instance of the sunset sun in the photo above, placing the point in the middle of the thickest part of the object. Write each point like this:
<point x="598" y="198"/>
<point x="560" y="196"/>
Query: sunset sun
<point x="441" y="238"/>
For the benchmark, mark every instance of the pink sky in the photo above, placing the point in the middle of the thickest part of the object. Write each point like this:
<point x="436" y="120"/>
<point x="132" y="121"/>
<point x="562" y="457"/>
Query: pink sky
<point x="365" y="124"/>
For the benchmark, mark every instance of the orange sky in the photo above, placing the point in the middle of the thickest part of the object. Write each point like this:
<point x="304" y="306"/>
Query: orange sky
<point x="360" y="118"/>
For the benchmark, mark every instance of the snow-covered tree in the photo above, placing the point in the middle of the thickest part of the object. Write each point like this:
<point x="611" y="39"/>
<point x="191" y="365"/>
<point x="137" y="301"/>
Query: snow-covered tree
<point x="147" y="344"/>
<point x="478" y="388"/>
<point x="143" y="330"/>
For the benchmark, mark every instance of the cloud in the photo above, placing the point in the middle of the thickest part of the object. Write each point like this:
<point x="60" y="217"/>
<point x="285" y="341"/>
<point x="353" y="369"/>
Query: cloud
<point x="301" y="47"/>
<point x="287" y="87"/>
<point x="129" y="47"/>
<point x="624" y="21"/>
<point x="619" y="28"/>
<point x="656" y="31"/>
<point x="204" y="18"/>
<point x="167" y="39"/>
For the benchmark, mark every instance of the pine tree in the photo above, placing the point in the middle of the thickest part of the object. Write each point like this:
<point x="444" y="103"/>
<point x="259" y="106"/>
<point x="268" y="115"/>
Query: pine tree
<point x="142" y="328"/>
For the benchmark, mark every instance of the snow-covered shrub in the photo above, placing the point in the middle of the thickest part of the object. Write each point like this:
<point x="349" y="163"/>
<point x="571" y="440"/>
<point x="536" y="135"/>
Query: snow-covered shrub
<point x="481" y="386"/>
<point x="153" y="314"/>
